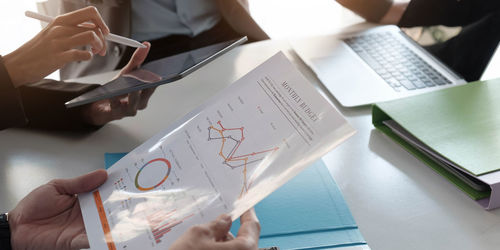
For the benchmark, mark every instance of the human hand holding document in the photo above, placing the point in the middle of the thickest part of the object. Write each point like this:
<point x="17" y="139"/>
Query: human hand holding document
<point x="221" y="158"/>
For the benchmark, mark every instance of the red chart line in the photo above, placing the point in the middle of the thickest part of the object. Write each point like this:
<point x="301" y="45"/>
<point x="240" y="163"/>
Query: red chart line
<point x="160" y="226"/>
<point x="231" y="157"/>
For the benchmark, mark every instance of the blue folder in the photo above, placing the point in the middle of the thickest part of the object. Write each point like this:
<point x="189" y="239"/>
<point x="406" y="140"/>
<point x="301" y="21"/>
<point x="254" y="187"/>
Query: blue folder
<point x="308" y="212"/>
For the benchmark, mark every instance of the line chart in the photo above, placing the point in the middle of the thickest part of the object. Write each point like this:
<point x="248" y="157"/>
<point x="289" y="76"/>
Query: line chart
<point x="231" y="140"/>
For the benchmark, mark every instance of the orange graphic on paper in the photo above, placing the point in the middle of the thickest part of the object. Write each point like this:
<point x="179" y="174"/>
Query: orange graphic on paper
<point x="231" y="139"/>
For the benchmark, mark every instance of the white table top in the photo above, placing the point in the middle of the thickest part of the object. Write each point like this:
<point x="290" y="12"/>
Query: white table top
<point x="398" y="202"/>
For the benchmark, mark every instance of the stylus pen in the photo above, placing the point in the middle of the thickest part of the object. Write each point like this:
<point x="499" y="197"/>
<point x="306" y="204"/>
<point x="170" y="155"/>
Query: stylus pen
<point x="109" y="37"/>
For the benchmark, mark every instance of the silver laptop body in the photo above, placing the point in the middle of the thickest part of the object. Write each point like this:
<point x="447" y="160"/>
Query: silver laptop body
<point x="374" y="65"/>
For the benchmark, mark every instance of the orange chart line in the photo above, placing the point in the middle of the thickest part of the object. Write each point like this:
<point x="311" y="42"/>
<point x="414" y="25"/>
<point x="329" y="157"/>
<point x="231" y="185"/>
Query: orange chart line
<point x="104" y="221"/>
<point x="231" y="156"/>
<point x="256" y="153"/>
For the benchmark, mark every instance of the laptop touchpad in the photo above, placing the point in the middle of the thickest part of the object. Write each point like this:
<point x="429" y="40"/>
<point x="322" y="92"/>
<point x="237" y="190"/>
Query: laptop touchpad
<point x="338" y="60"/>
<point x="347" y="77"/>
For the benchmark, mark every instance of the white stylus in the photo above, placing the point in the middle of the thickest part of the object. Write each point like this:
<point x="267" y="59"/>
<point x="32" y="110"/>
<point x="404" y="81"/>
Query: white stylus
<point x="109" y="37"/>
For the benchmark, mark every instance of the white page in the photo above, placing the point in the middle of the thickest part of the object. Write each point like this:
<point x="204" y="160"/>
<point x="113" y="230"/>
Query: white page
<point x="223" y="157"/>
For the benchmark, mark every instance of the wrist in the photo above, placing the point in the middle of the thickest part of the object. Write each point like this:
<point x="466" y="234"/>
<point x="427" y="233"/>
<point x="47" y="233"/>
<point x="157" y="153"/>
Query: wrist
<point x="14" y="69"/>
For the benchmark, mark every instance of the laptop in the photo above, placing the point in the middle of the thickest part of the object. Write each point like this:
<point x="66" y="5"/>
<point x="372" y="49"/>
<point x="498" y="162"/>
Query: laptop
<point x="374" y="65"/>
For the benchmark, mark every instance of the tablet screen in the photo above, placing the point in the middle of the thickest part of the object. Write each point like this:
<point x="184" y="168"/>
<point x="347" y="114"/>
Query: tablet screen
<point x="158" y="72"/>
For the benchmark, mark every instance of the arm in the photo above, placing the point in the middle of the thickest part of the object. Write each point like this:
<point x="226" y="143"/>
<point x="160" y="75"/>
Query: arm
<point x="380" y="11"/>
<point x="56" y="45"/>
<point x="50" y="216"/>
<point x="53" y="210"/>
<point x="236" y="14"/>
<point x="394" y="14"/>
<point x="28" y="101"/>
<point x="371" y="10"/>
<point x="44" y="102"/>
<point x="446" y="12"/>
<point x="46" y="52"/>
<point x="11" y="107"/>
<point x="44" y="107"/>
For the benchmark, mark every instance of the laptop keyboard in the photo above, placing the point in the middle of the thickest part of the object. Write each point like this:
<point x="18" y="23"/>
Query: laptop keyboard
<point x="400" y="67"/>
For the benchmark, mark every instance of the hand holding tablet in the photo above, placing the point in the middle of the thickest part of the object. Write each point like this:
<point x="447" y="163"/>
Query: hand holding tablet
<point x="162" y="71"/>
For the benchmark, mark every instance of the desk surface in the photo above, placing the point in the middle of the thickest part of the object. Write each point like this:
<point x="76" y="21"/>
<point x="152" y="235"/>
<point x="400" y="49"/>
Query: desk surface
<point x="398" y="202"/>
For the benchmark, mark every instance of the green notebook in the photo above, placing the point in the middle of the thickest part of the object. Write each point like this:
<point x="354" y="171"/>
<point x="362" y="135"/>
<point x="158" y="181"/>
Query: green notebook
<point x="460" y="124"/>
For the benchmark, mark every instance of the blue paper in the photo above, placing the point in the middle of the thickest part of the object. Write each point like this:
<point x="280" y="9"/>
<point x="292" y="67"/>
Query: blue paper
<point x="112" y="158"/>
<point x="308" y="212"/>
<point x="316" y="240"/>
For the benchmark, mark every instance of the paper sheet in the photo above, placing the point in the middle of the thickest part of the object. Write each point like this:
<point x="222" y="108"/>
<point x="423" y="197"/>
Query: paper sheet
<point x="308" y="212"/>
<point x="223" y="157"/>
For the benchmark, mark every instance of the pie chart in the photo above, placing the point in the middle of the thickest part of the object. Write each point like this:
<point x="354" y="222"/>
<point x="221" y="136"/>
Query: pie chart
<point x="152" y="174"/>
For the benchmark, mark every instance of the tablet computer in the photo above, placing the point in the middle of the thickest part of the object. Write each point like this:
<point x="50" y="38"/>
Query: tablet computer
<point x="158" y="72"/>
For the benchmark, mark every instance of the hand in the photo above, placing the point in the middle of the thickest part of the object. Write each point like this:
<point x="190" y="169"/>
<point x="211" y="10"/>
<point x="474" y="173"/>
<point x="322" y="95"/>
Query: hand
<point x="56" y="45"/>
<point x="215" y="235"/>
<point x="395" y="13"/>
<point x="102" y="112"/>
<point x="50" y="216"/>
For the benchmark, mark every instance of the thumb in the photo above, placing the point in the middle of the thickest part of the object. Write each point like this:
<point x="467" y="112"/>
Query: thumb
<point x="80" y="242"/>
<point x="81" y="184"/>
<point x="250" y="226"/>
<point x="137" y="58"/>
<point x="220" y="227"/>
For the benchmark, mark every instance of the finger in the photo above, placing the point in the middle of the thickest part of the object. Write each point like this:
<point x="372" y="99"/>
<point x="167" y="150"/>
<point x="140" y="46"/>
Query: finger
<point x="75" y="55"/>
<point x="103" y="40"/>
<point x="137" y="58"/>
<point x="80" y="242"/>
<point x="220" y="227"/>
<point x="65" y="31"/>
<point x="200" y="232"/>
<point x="133" y="102"/>
<point x="250" y="226"/>
<point x="83" y="15"/>
<point x="230" y="236"/>
<point x="96" y="113"/>
<point x="143" y="75"/>
<point x="236" y="244"/>
<point x="88" y="37"/>
<point x="248" y="234"/>
<point x="115" y="102"/>
<point x="87" y="25"/>
<point x="118" y="107"/>
<point x="145" y="96"/>
<point x="81" y="184"/>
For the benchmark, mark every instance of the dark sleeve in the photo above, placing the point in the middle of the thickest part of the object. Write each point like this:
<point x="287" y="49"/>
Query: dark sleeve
<point x="5" y="239"/>
<point x="44" y="105"/>
<point x="371" y="10"/>
<point x="447" y="12"/>
<point x="11" y="107"/>
<point x="4" y="235"/>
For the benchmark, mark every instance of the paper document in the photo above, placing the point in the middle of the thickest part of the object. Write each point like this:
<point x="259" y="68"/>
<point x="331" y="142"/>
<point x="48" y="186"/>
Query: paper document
<point x="223" y="157"/>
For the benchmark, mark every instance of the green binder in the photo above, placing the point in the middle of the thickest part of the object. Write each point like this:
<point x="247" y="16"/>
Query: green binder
<point x="459" y="126"/>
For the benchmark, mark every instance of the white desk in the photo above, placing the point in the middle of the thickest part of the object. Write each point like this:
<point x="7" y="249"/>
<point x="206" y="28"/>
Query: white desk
<point x="398" y="202"/>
